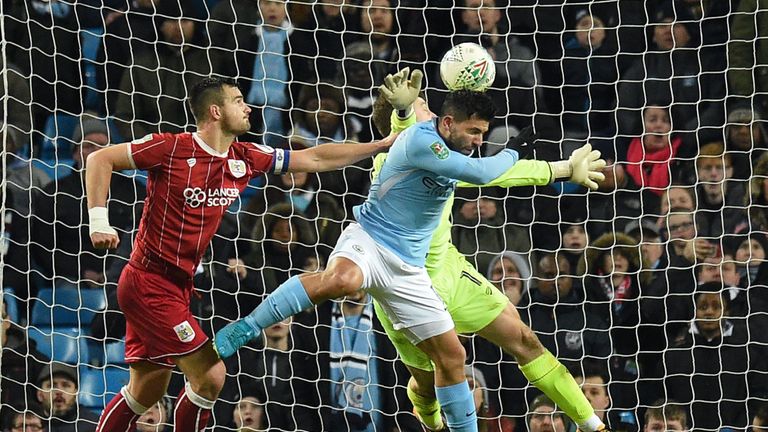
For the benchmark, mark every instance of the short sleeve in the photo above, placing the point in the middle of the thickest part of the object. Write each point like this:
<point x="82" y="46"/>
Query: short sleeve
<point x="264" y="159"/>
<point x="150" y="151"/>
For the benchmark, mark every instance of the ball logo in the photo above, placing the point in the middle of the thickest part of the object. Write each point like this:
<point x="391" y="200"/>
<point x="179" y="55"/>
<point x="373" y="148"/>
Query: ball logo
<point x="194" y="197"/>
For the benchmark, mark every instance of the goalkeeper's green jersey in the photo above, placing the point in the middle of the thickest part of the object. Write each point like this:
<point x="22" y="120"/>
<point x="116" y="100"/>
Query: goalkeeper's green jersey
<point x="522" y="173"/>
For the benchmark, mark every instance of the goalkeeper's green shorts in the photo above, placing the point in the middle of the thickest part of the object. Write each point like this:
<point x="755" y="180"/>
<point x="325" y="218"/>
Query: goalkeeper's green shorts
<point x="471" y="299"/>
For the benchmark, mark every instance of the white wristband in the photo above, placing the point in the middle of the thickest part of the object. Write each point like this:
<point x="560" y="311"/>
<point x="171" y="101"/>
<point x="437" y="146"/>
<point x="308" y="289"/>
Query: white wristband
<point x="98" y="218"/>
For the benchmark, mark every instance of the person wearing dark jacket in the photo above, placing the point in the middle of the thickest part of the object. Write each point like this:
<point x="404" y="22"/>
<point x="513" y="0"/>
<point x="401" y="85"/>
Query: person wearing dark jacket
<point x="333" y="340"/>
<point x="21" y="363"/>
<point x="715" y="366"/>
<point x="554" y="310"/>
<point x="59" y="218"/>
<point x="58" y="386"/>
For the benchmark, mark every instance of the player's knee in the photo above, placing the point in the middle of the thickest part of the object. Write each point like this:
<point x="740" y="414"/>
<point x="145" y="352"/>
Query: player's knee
<point x="450" y="357"/>
<point x="210" y="384"/>
<point x="344" y="282"/>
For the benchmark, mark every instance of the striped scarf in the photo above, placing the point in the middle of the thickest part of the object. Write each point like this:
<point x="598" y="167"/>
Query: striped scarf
<point x="354" y="374"/>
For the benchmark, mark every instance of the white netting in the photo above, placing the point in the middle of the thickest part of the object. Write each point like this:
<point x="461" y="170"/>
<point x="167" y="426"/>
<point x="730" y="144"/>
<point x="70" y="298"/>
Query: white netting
<point x="672" y="93"/>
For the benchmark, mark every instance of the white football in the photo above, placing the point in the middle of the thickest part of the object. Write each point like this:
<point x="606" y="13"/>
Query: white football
<point x="467" y="66"/>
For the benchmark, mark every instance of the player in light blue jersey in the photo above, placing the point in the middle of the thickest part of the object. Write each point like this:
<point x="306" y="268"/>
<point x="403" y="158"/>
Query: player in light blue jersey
<point x="384" y="253"/>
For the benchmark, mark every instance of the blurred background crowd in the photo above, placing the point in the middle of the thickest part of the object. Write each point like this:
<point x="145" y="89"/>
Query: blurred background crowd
<point x="652" y="289"/>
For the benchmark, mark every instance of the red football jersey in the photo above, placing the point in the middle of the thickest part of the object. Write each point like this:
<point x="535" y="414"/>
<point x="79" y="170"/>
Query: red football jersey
<point x="189" y="186"/>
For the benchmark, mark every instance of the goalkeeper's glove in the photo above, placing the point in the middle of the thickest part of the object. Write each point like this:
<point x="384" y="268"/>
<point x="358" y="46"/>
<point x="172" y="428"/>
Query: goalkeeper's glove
<point x="583" y="167"/>
<point x="401" y="91"/>
<point x="524" y="143"/>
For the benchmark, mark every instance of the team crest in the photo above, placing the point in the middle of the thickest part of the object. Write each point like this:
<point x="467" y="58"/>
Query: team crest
<point x="191" y="162"/>
<point x="440" y="150"/>
<point x="573" y="340"/>
<point x="237" y="167"/>
<point x="185" y="332"/>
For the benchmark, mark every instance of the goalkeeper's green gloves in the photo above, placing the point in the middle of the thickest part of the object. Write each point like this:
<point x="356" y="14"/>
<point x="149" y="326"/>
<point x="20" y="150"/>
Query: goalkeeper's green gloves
<point x="401" y="90"/>
<point x="583" y="167"/>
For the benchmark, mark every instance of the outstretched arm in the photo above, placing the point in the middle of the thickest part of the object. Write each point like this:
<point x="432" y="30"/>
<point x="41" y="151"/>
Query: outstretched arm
<point x="328" y="157"/>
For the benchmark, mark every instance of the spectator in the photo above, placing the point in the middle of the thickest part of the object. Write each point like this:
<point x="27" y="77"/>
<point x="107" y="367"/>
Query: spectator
<point x="676" y="196"/>
<point x="750" y="255"/>
<point x="60" y="223"/>
<point x="476" y="381"/>
<point x="269" y="371"/>
<point x="712" y="366"/>
<point x="544" y="416"/>
<point x="334" y="342"/>
<point x="677" y="72"/>
<point x="646" y="234"/>
<point x="757" y="199"/>
<point x="233" y="45"/>
<point x="719" y="196"/>
<point x="573" y="235"/>
<point x="760" y="420"/>
<point x="318" y="118"/>
<point x="480" y="230"/>
<point x="515" y="88"/>
<point x="302" y="191"/>
<point x="23" y="178"/>
<point x="21" y="362"/>
<point x="747" y="53"/>
<point x="319" y="44"/>
<point x="380" y="29"/>
<point x="665" y="416"/>
<point x="745" y="139"/>
<point x="510" y="272"/>
<point x="153" y="91"/>
<point x="613" y="285"/>
<point x="129" y="33"/>
<point x="615" y="205"/>
<point x="44" y="43"/>
<point x="590" y="73"/>
<point x="19" y="96"/>
<point x="26" y="419"/>
<point x="572" y="334"/>
<point x="592" y="376"/>
<point x="249" y="415"/>
<point x="57" y="393"/>
<point x="284" y="240"/>
<point x="157" y="417"/>
<point x="649" y="156"/>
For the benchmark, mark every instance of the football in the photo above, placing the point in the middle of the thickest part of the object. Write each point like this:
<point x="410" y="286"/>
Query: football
<point x="467" y="66"/>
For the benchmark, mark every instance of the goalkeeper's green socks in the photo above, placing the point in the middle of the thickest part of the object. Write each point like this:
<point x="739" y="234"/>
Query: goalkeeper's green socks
<point x="427" y="409"/>
<point x="552" y="378"/>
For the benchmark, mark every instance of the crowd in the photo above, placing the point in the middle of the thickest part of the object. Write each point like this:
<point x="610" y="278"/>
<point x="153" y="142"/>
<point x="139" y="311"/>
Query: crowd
<point x="651" y="289"/>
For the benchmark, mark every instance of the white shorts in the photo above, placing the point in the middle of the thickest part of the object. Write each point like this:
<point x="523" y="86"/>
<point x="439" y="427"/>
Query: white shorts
<point x="404" y="291"/>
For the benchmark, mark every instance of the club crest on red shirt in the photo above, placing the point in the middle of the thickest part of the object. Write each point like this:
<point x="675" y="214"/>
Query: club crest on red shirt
<point x="237" y="167"/>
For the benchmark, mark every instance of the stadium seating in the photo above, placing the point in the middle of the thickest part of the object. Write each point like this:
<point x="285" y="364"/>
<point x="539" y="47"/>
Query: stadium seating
<point x="90" y="40"/>
<point x="67" y="306"/>
<point x="98" y="386"/>
<point x="57" y="133"/>
<point x="66" y="345"/>
<point x="109" y="353"/>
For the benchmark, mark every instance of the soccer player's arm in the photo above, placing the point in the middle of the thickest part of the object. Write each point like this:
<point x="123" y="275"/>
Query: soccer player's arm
<point x="144" y="153"/>
<point x="523" y="173"/>
<point x="328" y="157"/>
<point x="431" y="154"/>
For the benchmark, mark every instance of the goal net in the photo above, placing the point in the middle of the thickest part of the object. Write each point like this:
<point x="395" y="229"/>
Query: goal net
<point x="650" y="289"/>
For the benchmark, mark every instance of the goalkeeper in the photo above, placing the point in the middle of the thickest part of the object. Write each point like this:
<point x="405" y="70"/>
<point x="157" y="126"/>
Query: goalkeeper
<point x="475" y="305"/>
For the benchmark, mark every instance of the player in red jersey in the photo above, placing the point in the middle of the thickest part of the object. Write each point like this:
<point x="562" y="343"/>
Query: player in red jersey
<point x="193" y="178"/>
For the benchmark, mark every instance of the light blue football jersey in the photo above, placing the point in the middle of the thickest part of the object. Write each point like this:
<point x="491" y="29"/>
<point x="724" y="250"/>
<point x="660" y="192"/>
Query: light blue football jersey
<point x="407" y="198"/>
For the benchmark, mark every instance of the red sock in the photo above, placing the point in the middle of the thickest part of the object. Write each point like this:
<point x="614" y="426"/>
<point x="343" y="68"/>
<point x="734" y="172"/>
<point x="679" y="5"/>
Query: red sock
<point x="117" y="416"/>
<point x="192" y="411"/>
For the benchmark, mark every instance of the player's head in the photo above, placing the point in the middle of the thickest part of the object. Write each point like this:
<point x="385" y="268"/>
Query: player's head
<point x="216" y="99"/>
<point x="464" y="119"/>
<point x="665" y="416"/>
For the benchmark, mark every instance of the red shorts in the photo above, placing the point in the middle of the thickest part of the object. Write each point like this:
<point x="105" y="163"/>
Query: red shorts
<point x="159" y="324"/>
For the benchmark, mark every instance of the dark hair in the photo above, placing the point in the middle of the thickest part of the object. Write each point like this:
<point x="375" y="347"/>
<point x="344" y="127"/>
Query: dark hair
<point x="464" y="104"/>
<point x="712" y="288"/>
<point x="591" y="368"/>
<point x="208" y="92"/>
